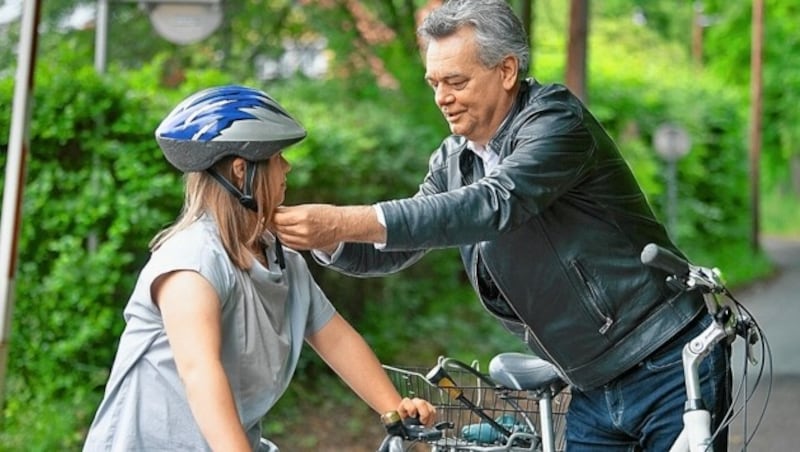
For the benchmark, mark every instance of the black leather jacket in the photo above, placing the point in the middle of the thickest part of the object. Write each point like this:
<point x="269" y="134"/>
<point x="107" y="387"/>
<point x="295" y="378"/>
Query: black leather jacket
<point x="560" y="224"/>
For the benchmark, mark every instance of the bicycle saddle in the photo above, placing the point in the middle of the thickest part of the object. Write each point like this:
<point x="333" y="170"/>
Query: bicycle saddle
<point x="522" y="372"/>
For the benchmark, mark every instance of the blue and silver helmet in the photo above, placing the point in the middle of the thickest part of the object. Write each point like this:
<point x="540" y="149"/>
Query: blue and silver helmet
<point x="226" y="121"/>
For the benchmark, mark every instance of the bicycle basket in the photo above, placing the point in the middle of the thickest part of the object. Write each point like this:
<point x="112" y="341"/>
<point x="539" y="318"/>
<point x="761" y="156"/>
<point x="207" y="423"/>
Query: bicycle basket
<point x="475" y="402"/>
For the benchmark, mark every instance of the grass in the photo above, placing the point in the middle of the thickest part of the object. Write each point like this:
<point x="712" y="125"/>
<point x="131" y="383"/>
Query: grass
<point x="780" y="214"/>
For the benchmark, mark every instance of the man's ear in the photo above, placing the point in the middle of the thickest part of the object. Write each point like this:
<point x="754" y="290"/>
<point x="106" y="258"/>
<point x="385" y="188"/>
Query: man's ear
<point x="509" y="68"/>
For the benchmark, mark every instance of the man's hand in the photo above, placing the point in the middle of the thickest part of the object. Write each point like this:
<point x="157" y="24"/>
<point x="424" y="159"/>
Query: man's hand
<point x="307" y="226"/>
<point x="324" y="226"/>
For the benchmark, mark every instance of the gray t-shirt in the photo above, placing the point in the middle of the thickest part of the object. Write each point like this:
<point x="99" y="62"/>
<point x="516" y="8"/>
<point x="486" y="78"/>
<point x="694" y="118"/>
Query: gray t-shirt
<point x="266" y="314"/>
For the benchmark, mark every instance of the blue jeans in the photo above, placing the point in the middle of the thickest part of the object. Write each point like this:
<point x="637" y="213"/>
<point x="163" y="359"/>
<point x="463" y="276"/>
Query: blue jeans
<point x="643" y="408"/>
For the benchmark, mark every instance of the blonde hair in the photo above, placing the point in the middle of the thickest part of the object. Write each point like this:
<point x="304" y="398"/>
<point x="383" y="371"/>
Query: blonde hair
<point x="241" y="229"/>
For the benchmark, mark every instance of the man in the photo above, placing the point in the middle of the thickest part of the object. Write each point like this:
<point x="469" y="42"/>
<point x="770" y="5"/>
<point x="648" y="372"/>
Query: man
<point x="550" y="223"/>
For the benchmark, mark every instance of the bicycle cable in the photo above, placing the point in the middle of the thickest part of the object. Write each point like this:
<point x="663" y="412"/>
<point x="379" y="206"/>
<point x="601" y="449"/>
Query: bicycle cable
<point x="764" y="363"/>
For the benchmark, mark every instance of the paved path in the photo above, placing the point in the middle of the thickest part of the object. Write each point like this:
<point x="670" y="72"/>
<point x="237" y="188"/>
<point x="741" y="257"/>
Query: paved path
<point x="775" y="304"/>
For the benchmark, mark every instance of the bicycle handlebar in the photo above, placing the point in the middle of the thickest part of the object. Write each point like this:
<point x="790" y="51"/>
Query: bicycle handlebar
<point x="411" y="429"/>
<point x="658" y="257"/>
<point x="683" y="274"/>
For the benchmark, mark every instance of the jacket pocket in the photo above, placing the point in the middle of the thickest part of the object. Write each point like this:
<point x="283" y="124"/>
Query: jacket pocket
<point x="594" y="299"/>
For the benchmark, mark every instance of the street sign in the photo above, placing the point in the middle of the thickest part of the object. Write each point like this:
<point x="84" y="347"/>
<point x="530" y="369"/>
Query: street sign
<point x="671" y="142"/>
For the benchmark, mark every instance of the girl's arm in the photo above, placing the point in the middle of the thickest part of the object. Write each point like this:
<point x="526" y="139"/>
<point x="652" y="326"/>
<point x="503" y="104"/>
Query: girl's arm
<point x="190" y="308"/>
<point x="349" y="355"/>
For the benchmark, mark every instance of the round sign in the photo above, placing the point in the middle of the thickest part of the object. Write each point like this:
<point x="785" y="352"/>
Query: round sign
<point x="671" y="142"/>
<point x="185" y="23"/>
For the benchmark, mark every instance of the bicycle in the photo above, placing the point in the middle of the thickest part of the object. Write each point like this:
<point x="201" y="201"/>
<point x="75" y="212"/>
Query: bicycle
<point x="520" y="404"/>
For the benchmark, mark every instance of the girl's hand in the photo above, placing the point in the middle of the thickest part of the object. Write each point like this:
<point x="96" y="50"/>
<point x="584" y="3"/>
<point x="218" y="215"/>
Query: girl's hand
<point x="418" y="408"/>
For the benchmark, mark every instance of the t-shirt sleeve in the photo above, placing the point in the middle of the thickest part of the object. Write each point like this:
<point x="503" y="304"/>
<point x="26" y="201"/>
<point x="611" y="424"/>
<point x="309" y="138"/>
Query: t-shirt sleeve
<point x="193" y="250"/>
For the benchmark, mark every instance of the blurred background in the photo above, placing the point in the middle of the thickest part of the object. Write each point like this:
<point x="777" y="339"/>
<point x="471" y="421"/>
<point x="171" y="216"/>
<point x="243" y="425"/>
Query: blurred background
<point x="701" y="97"/>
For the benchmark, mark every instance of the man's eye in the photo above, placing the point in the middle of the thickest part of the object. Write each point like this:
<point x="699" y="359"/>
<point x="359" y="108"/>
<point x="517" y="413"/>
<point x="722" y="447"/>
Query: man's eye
<point x="458" y="83"/>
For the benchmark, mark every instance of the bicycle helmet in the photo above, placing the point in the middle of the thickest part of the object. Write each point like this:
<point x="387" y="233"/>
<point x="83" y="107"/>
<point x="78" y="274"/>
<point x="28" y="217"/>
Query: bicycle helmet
<point x="222" y="121"/>
<point x="227" y="121"/>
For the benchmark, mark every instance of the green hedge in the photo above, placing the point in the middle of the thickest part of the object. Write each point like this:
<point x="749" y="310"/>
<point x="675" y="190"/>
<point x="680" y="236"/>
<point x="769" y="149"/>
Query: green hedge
<point x="98" y="189"/>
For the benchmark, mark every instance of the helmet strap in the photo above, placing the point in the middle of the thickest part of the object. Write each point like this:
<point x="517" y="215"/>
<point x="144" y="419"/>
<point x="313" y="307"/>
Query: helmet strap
<point x="246" y="198"/>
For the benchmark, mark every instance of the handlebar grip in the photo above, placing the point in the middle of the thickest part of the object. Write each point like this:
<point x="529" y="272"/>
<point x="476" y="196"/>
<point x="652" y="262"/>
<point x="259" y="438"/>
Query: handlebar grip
<point x="664" y="259"/>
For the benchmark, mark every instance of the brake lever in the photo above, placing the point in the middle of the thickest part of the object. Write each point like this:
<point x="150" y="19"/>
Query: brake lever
<point x="416" y="430"/>
<point x="751" y="337"/>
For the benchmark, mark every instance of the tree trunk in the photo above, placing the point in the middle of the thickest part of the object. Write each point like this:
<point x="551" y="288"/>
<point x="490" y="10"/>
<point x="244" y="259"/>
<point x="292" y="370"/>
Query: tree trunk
<point x="527" y="17"/>
<point x="756" y="109"/>
<point x="576" y="48"/>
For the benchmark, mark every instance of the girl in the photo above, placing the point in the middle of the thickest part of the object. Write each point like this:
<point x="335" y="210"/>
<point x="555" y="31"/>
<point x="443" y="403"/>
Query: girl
<point x="219" y="314"/>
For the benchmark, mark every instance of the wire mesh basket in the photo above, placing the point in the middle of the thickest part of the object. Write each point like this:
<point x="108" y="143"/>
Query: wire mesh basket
<point x="481" y="415"/>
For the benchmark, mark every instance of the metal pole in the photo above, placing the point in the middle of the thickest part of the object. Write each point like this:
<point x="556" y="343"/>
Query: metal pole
<point x="100" y="63"/>
<point x="18" y="143"/>
<point x="101" y="36"/>
<point x="672" y="198"/>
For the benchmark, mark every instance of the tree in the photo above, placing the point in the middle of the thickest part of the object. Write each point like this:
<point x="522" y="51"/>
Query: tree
<point x="576" y="47"/>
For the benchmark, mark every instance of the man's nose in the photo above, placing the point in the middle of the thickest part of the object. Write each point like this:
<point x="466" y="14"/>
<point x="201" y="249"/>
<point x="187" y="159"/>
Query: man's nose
<point x="443" y="96"/>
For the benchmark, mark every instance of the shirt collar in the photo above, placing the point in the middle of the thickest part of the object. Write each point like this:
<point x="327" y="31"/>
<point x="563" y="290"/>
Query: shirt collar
<point x="485" y="152"/>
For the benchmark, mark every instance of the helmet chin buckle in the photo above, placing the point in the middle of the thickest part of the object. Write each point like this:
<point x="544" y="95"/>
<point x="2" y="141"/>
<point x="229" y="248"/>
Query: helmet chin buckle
<point x="249" y="202"/>
<point x="246" y="199"/>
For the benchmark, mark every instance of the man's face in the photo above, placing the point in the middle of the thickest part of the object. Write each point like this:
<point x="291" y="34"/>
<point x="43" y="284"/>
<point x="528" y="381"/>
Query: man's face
<point x="474" y="99"/>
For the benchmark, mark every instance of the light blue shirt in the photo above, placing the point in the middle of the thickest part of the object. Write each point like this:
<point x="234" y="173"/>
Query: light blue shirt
<point x="266" y="313"/>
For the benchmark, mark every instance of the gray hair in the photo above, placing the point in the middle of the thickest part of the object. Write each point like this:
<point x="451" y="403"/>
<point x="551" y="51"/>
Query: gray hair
<point x="498" y="30"/>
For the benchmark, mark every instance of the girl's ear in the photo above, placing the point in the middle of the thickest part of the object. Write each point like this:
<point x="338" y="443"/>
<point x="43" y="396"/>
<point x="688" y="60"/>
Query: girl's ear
<point x="238" y="170"/>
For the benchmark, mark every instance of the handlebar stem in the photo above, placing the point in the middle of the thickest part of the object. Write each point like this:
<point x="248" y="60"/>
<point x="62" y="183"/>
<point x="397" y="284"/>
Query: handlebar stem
<point x="693" y="354"/>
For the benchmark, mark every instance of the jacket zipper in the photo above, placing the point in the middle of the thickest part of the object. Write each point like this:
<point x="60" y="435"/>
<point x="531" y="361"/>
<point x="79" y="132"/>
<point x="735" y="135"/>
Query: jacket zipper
<point x="594" y="299"/>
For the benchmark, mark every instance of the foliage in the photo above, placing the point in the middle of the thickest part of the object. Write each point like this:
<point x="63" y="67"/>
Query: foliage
<point x="728" y="52"/>
<point x="712" y="179"/>
<point x="97" y="192"/>
<point x="98" y="189"/>
<point x="669" y="21"/>
<point x="779" y="220"/>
